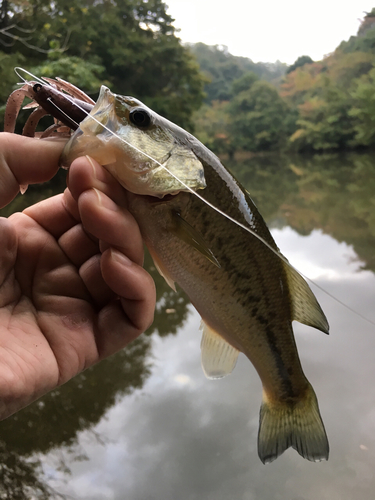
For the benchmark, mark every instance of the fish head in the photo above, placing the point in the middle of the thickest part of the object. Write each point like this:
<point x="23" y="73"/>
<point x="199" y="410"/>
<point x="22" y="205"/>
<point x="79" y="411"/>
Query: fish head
<point x="146" y="153"/>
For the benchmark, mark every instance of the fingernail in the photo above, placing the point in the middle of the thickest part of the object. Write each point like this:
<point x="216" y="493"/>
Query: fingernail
<point x="120" y="257"/>
<point x="98" y="195"/>
<point x="89" y="159"/>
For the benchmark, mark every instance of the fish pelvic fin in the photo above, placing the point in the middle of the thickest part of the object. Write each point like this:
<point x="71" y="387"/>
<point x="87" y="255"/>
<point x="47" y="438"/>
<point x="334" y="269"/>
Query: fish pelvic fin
<point x="297" y="425"/>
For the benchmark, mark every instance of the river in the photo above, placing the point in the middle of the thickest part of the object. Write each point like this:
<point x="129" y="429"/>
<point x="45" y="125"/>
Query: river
<point x="147" y="425"/>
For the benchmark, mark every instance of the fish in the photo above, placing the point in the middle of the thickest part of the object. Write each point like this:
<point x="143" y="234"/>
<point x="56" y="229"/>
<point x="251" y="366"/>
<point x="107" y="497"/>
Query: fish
<point x="244" y="289"/>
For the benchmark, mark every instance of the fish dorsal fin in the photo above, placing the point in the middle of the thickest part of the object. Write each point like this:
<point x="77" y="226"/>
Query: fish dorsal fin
<point x="218" y="357"/>
<point x="192" y="237"/>
<point x="305" y="307"/>
<point x="162" y="271"/>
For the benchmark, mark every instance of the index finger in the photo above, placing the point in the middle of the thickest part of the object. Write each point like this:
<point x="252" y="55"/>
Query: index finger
<point x="24" y="160"/>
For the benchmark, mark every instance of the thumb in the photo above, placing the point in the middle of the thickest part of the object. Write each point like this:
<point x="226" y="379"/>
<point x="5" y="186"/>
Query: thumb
<point x="24" y="160"/>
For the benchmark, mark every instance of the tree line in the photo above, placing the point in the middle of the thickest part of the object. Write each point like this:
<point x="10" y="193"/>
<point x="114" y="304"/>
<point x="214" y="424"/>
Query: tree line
<point x="313" y="107"/>
<point x="230" y="102"/>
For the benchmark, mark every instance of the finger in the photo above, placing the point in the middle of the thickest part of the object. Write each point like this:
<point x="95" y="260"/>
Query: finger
<point x="42" y="268"/>
<point x="91" y="275"/>
<point x="71" y="205"/>
<point x="52" y="215"/>
<point x="111" y="224"/>
<point x="133" y="284"/>
<point x="85" y="173"/>
<point x="78" y="245"/>
<point x="8" y="253"/>
<point x="120" y="323"/>
<point x="24" y="160"/>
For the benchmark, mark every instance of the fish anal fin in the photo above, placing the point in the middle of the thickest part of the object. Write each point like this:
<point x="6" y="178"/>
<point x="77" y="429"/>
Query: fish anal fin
<point x="192" y="237"/>
<point x="218" y="357"/>
<point x="305" y="307"/>
<point x="298" y="425"/>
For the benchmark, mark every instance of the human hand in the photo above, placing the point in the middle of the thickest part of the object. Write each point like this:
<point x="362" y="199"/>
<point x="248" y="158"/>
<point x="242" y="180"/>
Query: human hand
<point x="72" y="289"/>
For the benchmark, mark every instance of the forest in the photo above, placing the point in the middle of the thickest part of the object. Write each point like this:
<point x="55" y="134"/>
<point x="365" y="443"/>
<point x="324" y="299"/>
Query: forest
<point x="313" y="106"/>
<point x="230" y="103"/>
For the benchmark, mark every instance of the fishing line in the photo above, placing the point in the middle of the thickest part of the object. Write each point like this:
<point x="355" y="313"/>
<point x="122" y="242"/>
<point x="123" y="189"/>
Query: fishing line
<point x="218" y="210"/>
<point x="17" y="68"/>
<point x="213" y="207"/>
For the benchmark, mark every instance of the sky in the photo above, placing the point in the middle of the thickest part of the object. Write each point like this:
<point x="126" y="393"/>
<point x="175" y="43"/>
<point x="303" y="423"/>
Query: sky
<point x="269" y="30"/>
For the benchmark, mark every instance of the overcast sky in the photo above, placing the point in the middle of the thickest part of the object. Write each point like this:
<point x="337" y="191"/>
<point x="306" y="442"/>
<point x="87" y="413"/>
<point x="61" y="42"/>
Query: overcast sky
<point x="270" y="30"/>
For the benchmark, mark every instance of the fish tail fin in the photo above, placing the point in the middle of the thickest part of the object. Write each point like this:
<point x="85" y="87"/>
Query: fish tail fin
<point x="297" y="424"/>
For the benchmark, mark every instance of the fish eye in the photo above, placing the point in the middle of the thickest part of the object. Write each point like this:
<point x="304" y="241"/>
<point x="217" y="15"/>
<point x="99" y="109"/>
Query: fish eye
<point x="140" y="117"/>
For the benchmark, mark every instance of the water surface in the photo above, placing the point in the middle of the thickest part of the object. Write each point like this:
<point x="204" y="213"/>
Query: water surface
<point x="146" y="424"/>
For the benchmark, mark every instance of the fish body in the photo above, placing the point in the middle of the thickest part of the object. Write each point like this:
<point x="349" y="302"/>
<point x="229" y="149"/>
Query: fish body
<point x="246" y="294"/>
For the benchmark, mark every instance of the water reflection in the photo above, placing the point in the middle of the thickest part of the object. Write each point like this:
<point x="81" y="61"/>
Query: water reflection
<point x="146" y="423"/>
<point x="335" y="193"/>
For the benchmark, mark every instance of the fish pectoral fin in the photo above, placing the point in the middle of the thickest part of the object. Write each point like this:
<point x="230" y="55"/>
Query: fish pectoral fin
<point x="190" y="236"/>
<point x="218" y="357"/>
<point x="305" y="307"/>
<point x="162" y="271"/>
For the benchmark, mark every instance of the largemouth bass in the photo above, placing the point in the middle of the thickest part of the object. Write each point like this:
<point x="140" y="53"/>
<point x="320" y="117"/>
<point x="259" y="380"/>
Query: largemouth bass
<point x="246" y="294"/>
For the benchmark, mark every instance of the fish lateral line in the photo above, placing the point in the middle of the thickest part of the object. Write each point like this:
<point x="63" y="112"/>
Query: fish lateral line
<point x="213" y="207"/>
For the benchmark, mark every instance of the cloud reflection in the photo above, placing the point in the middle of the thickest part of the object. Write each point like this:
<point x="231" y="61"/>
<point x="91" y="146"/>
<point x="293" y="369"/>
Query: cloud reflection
<point x="182" y="436"/>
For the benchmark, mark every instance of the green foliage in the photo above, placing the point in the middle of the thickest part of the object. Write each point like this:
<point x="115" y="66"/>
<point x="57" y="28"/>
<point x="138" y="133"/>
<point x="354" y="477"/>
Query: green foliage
<point x="212" y="127"/>
<point x="257" y="117"/>
<point x="8" y="78"/>
<point x="365" y="43"/>
<point x="304" y="82"/>
<point x="321" y="106"/>
<point x="243" y="83"/>
<point x="129" y="44"/>
<point x="334" y="97"/>
<point x="324" y="124"/>
<point x="345" y="68"/>
<point x="222" y="68"/>
<point x="365" y="39"/>
<point x="84" y="74"/>
<point x="301" y="61"/>
<point x="363" y="110"/>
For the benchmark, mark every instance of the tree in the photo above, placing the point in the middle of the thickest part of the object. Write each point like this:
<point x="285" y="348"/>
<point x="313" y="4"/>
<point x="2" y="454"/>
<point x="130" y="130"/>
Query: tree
<point x="222" y="68"/>
<point x="303" y="82"/>
<point x="363" y="110"/>
<point x="344" y="68"/>
<point x="258" y="118"/>
<point x="134" y="40"/>
<point x="324" y="123"/>
<point x="301" y="61"/>
<point x="245" y="82"/>
<point x="212" y="127"/>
